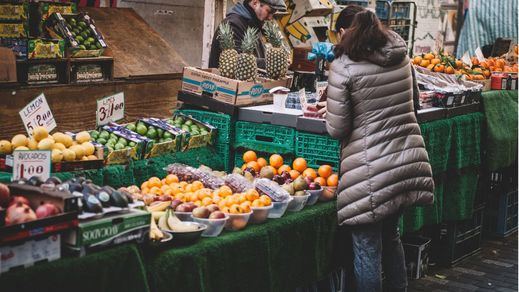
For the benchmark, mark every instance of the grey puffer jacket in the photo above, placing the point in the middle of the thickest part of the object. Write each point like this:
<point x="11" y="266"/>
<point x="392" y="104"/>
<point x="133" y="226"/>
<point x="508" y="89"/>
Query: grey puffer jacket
<point x="384" y="165"/>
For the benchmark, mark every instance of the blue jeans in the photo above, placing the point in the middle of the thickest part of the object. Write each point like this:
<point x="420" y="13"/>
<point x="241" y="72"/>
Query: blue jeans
<point x="375" y="246"/>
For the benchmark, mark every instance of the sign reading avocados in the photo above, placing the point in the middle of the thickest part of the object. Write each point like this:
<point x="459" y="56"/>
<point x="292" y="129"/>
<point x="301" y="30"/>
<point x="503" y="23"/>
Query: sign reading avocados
<point x="110" y="109"/>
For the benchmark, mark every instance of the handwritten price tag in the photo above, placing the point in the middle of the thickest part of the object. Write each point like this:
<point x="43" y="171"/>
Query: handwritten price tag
<point x="31" y="163"/>
<point x="320" y="88"/>
<point x="110" y="109"/>
<point x="37" y="114"/>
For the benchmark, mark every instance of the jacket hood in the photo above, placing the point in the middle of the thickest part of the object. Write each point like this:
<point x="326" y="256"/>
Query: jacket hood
<point x="393" y="53"/>
<point x="240" y="10"/>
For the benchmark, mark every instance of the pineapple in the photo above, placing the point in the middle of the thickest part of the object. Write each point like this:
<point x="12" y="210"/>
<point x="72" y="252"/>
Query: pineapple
<point x="229" y="56"/>
<point x="246" y="69"/>
<point x="276" y="57"/>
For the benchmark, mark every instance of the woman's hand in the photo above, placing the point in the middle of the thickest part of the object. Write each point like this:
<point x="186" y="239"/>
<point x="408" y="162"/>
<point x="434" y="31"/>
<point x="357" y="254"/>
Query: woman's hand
<point x="322" y="108"/>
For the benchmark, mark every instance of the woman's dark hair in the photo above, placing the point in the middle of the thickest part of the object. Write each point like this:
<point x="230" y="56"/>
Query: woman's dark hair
<point x="346" y="16"/>
<point x="365" y="36"/>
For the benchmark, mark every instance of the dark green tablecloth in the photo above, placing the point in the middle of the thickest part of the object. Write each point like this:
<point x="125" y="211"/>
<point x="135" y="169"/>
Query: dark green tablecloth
<point x="501" y="124"/>
<point x="117" y="269"/>
<point x="280" y="255"/>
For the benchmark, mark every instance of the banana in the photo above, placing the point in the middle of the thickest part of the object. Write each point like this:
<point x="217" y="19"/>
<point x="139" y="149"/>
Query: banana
<point x="159" y="207"/>
<point x="172" y="220"/>
<point x="155" y="233"/>
<point x="163" y="222"/>
<point x="157" y="214"/>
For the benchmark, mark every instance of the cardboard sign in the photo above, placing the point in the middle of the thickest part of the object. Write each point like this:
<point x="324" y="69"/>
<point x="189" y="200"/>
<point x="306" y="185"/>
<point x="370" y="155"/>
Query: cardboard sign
<point x="31" y="163"/>
<point x="110" y="109"/>
<point x="479" y="55"/>
<point x="37" y="114"/>
<point x="320" y="89"/>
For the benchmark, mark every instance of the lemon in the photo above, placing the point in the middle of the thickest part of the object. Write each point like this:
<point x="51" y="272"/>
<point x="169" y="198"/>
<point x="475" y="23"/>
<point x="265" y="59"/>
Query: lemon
<point x="40" y="133"/>
<point x="21" y="148"/>
<point x="89" y="148"/>
<point x="5" y="147"/>
<point x="67" y="140"/>
<point x="33" y="144"/>
<point x="45" y="144"/>
<point x="19" y="140"/>
<point x="57" y="155"/>
<point x="59" y="137"/>
<point x="78" y="150"/>
<point x="92" y="157"/>
<point x="59" y="146"/>
<point x="83" y="137"/>
<point x="84" y="158"/>
<point x="69" y="155"/>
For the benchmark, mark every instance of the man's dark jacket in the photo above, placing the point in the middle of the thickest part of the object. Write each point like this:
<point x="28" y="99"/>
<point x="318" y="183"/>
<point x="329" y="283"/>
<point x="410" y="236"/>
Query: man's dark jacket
<point x="240" y="17"/>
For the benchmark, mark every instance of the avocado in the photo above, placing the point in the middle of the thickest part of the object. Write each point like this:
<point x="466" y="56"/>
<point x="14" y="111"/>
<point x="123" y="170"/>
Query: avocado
<point x="118" y="200"/>
<point x="128" y="196"/>
<point x="92" y="204"/>
<point x="53" y="180"/>
<point x="35" y="181"/>
<point x="104" y="198"/>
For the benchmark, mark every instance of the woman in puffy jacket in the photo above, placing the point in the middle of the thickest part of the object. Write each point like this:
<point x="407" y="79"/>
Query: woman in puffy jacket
<point x="384" y="165"/>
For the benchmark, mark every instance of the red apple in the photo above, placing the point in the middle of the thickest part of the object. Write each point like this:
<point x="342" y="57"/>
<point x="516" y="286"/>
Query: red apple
<point x="213" y="208"/>
<point x="201" y="212"/>
<point x="217" y="215"/>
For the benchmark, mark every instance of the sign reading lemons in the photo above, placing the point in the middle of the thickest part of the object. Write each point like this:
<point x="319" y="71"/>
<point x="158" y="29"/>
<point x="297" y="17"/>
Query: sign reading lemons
<point x="110" y="109"/>
<point x="37" y="114"/>
<point x="31" y="163"/>
<point x="256" y="90"/>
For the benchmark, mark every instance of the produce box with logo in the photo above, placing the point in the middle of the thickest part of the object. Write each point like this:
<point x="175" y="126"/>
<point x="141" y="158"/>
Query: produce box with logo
<point x="163" y="138"/>
<point x="109" y="230"/>
<point x="199" y="134"/>
<point x="46" y="48"/>
<point x="207" y="83"/>
<point x="14" y="11"/>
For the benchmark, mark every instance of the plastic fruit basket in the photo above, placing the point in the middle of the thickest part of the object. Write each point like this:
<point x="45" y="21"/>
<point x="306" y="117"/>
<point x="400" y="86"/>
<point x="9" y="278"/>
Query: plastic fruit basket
<point x="298" y="203"/>
<point x="260" y="214"/>
<point x="214" y="226"/>
<point x="237" y="221"/>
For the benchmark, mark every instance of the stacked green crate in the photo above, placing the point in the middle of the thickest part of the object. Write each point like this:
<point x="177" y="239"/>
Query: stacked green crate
<point x="318" y="149"/>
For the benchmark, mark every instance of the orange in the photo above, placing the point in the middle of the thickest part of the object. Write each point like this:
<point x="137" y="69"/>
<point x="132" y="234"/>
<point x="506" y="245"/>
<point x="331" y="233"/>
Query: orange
<point x="459" y="64"/>
<point x="155" y="191"/>
<point x="257" y="203"/>
<point x="198" y="203"/>
<point x="252" y="195"/>
<point x="475" y="61"/>
<point x="276" y="161"/>
<point x="254" y="165"/>
<point x="192" y="197"/>
<point x="198" y="185"/>
<point x="310" y="172"/>
<point x="245" y="206"/>
<point x="189" y="188"/>
<point x="171" y="178"/>
<point x="320" y="180"/>
<point x="275" y="171"/>
<point x="154" y="182"/>
<point x="430" y="67"/>
<point x="325" y="171"/>
<point x="299" y="164"/>
<point x="425" y="63"/>
<point x="428" y="56"/>
<point x="500" y="63"/>
<point x="222" y="204"/>
<point x="435" y="61"/>
<point x="333" y="180"/>
<point x="244" y="166"/>
<point x="262" y="162"/>
<point x="232" y="200"/>
<point x="207" y="201"/>
<point x="249" y="156"/>
<point x="145" y="185"/>
<point x="216" y="199"/>
<point x="487" y="73"/>
<point x="225" y="210"/>
<point x="449" y="70"/>
<point x="164" y="188"/>
<point x="163" y="181"/>
<point x="235" y="209"/>
<point x="265" y="200"/>
<point x="439" y="68"/>
<point x="241" y="198"/>
<point x="225" y="191"/>
<point x="294" y="174"/>
<point x="145" y="190"/>
<point x="483" y="65"/>
<point x="283" y="168"/>
<point x="417" y="60"/>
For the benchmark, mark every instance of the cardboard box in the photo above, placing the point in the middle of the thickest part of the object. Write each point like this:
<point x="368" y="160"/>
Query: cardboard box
<point x="107" y="231"/>
<point x="269" y="114"/>
<point x="308" y="30"/>
<point x="122" y="156"/>
<point x="207" y="83"/>
<point x="154" y="149"/>
<point x="311" y="8"/>
<point x="30" y="252"/>
<point x="13" y="30"/>
<point x="190" y="140"/>
<point x="14" y="11"/>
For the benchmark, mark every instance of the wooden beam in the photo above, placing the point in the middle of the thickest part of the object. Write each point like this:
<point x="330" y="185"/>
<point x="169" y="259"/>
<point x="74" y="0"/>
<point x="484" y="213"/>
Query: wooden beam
<point x="209" y="19"/>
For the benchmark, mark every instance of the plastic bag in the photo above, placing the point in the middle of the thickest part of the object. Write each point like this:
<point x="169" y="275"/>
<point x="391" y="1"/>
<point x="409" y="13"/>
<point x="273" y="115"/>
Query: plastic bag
<point x="238" y="183"/>
<point x="271" y="189"/>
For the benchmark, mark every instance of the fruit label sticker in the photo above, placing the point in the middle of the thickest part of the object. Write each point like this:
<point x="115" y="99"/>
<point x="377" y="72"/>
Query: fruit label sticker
<point x="37" y="114"/>
<point x="31" y="163"/>
<point x="110" y="109"/>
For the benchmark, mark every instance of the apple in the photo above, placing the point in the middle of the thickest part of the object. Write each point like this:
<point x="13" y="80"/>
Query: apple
<point x="308" y="180"/>
<point x="213" y="208"/>
<point x="285" y="175"/>
<point x="201" y="212"/>
<point x="148" y="199"/>
<point x="184" y="207"/>
<point x="314" y="186"/>
<point x="217" y="215"/>
<point x="175" y="203"/>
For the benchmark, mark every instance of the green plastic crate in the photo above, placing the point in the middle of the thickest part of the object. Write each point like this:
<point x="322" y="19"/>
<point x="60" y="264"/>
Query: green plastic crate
<point x="224" y="151"/>
<point x="222" y="122"/>
<point x="238" y="157"/>
<point x="265" y="137"/>
<point x="318" y="150"/>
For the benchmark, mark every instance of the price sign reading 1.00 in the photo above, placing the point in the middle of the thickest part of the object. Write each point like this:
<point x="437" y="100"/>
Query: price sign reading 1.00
<point x="37" y="114"/>
<point x="31" y="163"/>
<point x="110" y="109"/>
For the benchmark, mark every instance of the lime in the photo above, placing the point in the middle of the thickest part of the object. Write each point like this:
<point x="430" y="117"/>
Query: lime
<point x="161" y="140"/>
<point x="91" y="40"/>
<point x="104" y="134"/>
<point x="141" y="129"/>
<point x="168" y="139"/>
<point x="132" y="144"/>
<point x="131" y="127"/>
<point x="119" y="146"/>
<point x="194" y="127"/>
<point x="204" y="132"/>
<point x="195" y="132"/>
<point x="72" y="20"/>
<point x="81" y="47"/>
<point x="86" y="44"/>
<point x="82" y="24"/>
<point x="170" y="121"/>
<point x="189" y="122"/>
<point x="110" y="144"/>
<point x="122" y="141"/>
<point x="160" y="132"/>
<point x="98" y="45"/>
<point x="84" y="34"/>
<point x="168" y="135"/>
<point x="113" y="136"/>
<point x="94" y="134"/>
<point x="92" y="47"/>
<point x="186" y="128"/>
<point x="111" y="141"/>
<point x="152" y="133"/>
<point x="79" y="38"/>
<point x="110" y="149"/>
<point x="101" y="141"/>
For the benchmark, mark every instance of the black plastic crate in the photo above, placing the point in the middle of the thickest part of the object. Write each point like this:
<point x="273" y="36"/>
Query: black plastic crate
<point x="501" y="216"/>
<point x="416" y="249"/>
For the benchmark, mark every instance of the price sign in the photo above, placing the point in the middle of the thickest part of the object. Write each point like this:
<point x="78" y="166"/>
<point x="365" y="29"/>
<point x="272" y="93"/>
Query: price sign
<point x="302" y="98"/>
<point x="31" y="163"/>
<point x="37" y="114"/>
<point x="320" y="88"/>
<point x="479" y="55"/>
<point x="466" y="59"/>
<point x="110" y="109"/>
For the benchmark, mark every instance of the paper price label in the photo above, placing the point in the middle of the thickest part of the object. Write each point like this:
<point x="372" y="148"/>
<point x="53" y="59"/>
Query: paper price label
<point x="320" y="88"/>
<point x="479" y="55"/>
<point x="302" y="98"/>
<point x="37" y="114"/>
<point x="31" y="163"/>
<point x="110" y="109"/>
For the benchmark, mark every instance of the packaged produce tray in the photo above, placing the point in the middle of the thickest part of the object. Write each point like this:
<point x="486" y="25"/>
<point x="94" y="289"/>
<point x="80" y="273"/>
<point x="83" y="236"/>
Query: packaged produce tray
<point x="223" y="123"/>
<point x="265" y="137"/>
<point x="318" y="150"/>
<point x="198" y="134"/>
<point x="49" y="225"/>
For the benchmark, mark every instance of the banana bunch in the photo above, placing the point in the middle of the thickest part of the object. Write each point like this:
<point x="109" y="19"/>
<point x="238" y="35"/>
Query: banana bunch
<point x="158" y="206"/>
<point x="169" y="221"/>
<point x="155" y="232"/>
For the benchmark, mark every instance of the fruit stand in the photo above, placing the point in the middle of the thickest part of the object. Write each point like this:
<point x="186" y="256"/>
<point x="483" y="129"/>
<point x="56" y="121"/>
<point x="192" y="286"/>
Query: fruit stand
<point x="234" y="189"/>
